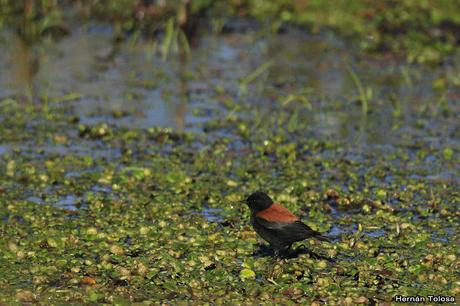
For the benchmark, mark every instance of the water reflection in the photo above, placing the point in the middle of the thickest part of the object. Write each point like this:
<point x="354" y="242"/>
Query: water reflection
<point x="23" y="66"/>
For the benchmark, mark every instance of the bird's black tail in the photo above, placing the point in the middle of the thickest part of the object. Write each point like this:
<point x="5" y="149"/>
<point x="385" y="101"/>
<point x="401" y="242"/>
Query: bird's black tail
<point x="323" y="238"/>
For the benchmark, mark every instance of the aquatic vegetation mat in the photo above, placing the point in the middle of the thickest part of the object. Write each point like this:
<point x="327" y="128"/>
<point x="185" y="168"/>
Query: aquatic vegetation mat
<point x="148" y="215"/>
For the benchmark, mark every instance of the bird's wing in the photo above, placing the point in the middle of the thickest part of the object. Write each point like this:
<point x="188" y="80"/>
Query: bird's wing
<point x="270" y="224"/>
<point x="277" y="213"/>
<point x="296" y="229"/>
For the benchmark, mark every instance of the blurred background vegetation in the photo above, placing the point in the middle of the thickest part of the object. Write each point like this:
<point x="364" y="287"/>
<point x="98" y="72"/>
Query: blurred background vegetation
<point x="420" y="30"/>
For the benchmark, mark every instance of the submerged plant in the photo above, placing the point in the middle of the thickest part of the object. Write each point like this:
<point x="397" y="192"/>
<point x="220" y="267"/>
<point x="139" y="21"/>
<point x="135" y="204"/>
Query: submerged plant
<point x="174" y="40"/>
<point x="365" y="93"/>
<point x="251" y="77"/>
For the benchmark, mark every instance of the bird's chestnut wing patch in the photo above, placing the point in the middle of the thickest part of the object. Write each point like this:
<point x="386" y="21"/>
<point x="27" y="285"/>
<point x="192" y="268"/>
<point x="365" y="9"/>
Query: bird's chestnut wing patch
<point x="277" y="213"/>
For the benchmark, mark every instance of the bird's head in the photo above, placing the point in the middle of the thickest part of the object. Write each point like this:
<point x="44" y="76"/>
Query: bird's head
<point x="259" y="201"/>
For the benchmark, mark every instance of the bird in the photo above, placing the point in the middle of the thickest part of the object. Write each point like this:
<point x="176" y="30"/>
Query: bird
<point x="277" y="225"/>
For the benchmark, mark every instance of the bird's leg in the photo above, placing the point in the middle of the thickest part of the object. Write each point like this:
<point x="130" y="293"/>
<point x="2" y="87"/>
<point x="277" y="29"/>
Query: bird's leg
<point x="282" y="252"/>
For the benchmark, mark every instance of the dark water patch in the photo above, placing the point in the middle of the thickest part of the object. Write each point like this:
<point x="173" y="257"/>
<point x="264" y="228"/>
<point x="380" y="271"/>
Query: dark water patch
<point x="73" y="174"/>
<point x="335" y="231"/>
<point x="101" y="189"/>
<point x="95" y="150"/>
<point x="375" y="233"/>
<point x="69" y="202"/>
<point x="213" y="214"/>
<point x="338" y="230"/>
<point x="449" y="177"/>
<point x="439" y="238"/>
<point x="35" y="199"/>
<point x="13" y="219"/>
<point x="447" y="234"/>
<point x="4" y="149"/>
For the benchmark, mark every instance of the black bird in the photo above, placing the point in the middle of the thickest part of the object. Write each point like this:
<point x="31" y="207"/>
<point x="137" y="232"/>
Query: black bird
<point x="276" y="224"/>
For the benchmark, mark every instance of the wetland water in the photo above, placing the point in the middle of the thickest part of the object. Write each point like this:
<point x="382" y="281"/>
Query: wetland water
<point x="130" y="80"/>
<point x="123" y="151"/>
